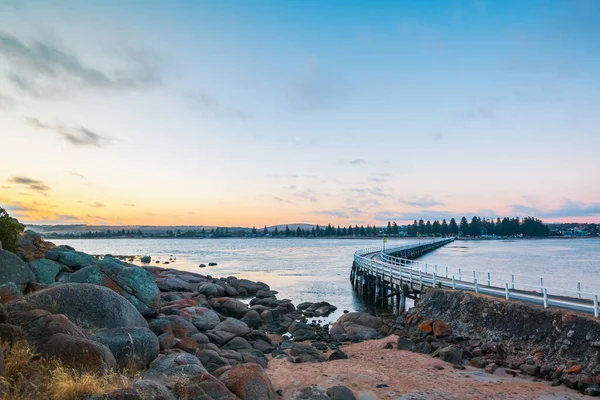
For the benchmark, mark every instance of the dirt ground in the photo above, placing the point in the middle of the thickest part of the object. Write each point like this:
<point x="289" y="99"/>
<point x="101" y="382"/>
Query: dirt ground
<point x="407" y="376"/>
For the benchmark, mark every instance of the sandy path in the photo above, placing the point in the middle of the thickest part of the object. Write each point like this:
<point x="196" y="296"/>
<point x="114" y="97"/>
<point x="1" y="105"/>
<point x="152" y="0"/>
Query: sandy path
<point x="408" y="376"/>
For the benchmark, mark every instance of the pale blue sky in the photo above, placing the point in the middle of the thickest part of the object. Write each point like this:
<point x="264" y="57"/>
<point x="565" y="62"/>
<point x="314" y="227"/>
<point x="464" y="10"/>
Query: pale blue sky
<point x="264" y="112"/>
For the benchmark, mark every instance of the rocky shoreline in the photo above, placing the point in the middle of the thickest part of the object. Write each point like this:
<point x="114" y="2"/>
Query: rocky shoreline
<point x="180" y="335"/>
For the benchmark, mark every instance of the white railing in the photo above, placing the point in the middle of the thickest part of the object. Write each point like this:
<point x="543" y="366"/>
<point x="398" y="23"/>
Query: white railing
<point x="382" y="263"/>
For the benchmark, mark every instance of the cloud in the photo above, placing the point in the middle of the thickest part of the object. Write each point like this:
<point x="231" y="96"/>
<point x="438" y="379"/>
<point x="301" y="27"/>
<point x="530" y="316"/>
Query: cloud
<point x="412" y="215"/>
<point x="372" y="191"/>
<point x="128" y="204"/>
<point x="332" y="213"/>
<point x="358" y="162"/>
<point x="96" y="205"/>
<point x="281" y="201"/>
<point x="31" y="184"/>
<point x="377" y="180"/>
<point x="290" y="187"/>
<point x="78" y="136"/>
<point x="422" y="202"/>
<point x="210" y="104"/>
<point x="77" y="174"/>
<point x="306" y="194"/>
<point x="570" y="208"/>
<point x="40" y="69"/>
<point x="437" y="136"/>
<point x="6" y="102"/>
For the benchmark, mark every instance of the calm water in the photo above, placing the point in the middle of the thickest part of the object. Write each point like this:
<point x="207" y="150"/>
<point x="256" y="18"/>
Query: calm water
<point x="318" y="270"/>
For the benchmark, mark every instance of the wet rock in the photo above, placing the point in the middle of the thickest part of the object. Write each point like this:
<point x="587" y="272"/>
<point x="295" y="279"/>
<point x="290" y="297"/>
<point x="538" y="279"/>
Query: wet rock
<point x="146" y="259"/>
<point x="249" y="382"/>
<point x="79" y="353"/>
<point x="211" y="290"/>
<point x="15" y="270"/>
<point x="320" y="309"/>
<point x="132" y="347"/>
<point x="91" y="306"/>
<point x="202" y="318"/>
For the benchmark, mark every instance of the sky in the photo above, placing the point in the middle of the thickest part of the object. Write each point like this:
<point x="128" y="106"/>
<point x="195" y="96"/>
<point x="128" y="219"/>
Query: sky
<point x="252" y="113"/>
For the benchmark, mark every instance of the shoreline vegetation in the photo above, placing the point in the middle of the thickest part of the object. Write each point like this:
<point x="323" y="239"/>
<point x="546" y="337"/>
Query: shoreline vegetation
<point x="477" y="228"/>
<point x="74" y="327"/>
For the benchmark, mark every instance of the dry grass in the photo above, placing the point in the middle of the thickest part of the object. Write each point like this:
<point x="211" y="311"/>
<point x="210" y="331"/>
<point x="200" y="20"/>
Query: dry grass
<point x="30" y="377"/>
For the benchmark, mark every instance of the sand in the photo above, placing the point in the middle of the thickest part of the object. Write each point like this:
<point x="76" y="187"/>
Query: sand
<point x="408" y="376"/>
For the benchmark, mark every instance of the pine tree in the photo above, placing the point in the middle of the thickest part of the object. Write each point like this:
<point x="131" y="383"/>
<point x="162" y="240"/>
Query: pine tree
<point x="453" y="228"/>
<point x="464" y="226"/>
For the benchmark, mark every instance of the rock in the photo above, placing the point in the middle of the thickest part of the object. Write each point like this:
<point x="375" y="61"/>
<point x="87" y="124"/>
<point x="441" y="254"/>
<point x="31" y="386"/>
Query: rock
<point x="148" y="389"/>
<point x="301" y="331"/>
<point x="173" y="284"/>
<point x="71" y="258"/>
<point x="478" y="362"/>
<point x="491" y="368"/>
<point x="9" y="292"/>
<point x="210" y="290"/>
<point x="340" y="393"/>
<point x="211" y="360"/>
<point x="426" y="326"/>
<point x="212" y="264"/>
<point x="79" y="353"/>
<point x="234" y="326"/>
<point x="337" y="355"/>
<point x="2" y="364"/>
<point x="180" y="327"/>
<point x="91" y="306"/>
<point x="248" y="286"/>
<point x="320" y="309"/>
<point x="592" y="390"/>
<point x="440" y="329"/>
<point x="452" y="355"/>
<point x="11" y="333"/>
<point x="298" y="349"/>
<point x="252" y="319"/>
<point x="45" y="270"/>
<point x="202" y="318"/>
<point x="167" y="368"/>
<point x="40" y="329"/>
<point x="15" y="270"/>
<point x="405" y="344"/>
<point x="249" y="382"/>
<point x="576" y="369"/>
<point x="134" y="283"/>
<point x="132" y="347"/>
<point x="31" y="246"/>
<point x="146" y="259"/>
<point x="423" y="348"/>
<point x="203" y="387"/>
<point x="361" y="326"/>
<point x="238" y="343"/>
<point x="532" y="370"/>
<point x="229" y="307"/>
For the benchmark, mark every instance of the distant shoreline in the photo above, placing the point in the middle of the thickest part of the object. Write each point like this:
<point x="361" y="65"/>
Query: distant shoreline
<point x="325" y="237"/>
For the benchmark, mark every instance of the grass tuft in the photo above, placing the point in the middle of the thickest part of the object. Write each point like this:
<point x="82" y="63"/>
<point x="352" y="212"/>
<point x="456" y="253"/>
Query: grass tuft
<point x="30" y="377"/>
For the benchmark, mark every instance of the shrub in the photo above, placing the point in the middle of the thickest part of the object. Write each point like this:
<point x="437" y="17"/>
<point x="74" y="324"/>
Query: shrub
<point x="10" y="229"/>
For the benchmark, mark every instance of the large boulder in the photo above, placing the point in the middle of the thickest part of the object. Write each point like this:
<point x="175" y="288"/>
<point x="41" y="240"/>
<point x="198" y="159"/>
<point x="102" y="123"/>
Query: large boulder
<point x="89" y="306"/>
<point x="41" y="326"/>
<point x="202" y="318"/>
<point x="248" y="286"/>
<point x="229" y="307"/>
<point x="173" y="367"/>
<point x="358" y="325"/>
<point x="71" y="258"/>
<point x="79" y="353"/>
<point x="203" y="386"/>
<point x="32" y="246"/>
<point x="132" y="347"/>
<point x="13" y="269"/>
<point x="249" y="382"/>
<point x="45" y="270"/>
<point x="134" y="283"/>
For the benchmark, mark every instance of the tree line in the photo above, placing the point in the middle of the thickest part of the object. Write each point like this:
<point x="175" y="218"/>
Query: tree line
<point x="528" y="226"/>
